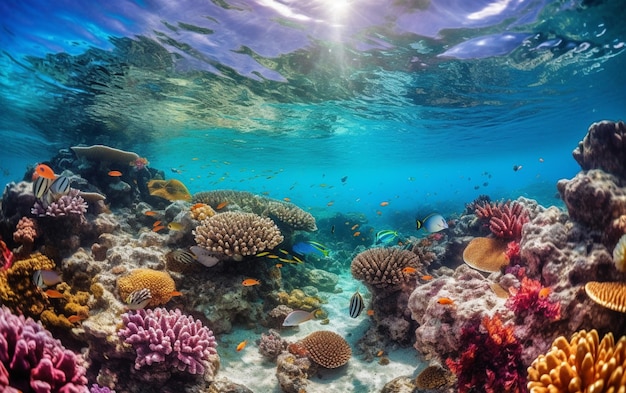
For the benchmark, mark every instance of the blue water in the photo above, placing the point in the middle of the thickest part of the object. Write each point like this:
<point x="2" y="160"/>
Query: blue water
<point x="423" y="104"/>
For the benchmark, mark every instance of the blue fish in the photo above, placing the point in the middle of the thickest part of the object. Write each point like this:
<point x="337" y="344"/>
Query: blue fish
<point x="310" y="247"/>
<point x="386" y="236"/>
<point x="433" y="223"/>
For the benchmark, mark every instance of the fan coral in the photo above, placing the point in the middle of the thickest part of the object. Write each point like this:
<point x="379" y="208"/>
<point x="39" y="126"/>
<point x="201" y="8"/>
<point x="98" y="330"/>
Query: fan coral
<point x="160" y="284"/>
<point x="584" y="364"/>
<point x="71" y="204"/>
<point x="486" y="254"/>
<point x="532" y="298"/>
<point x="603" y="148"/>
<point x="491" y="348"/>
<point x="31" y="359"/>
<point x="327" y="349"/>
<point x="169" y="336"/>
<point x="505" y="219"/>
<point x="383" y="268"/>
<point x="237" y="234"/>
<point x="611" y="295"/>
<point x="619" y="254"/>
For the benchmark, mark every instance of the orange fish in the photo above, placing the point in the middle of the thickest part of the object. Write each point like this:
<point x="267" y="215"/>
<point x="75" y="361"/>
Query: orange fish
<point x="156" y="223"/>
<point x="44" y="171"/>
<point x="379" y="212"/>
<point x="242" y="345"/>
<point x="380" y="353"/>
<point x="544" y="292"/>
<point x="286" y="199"/>
<point x="357" y="233"/>
<point x="445" y="300"/>
<point x="53" y="293"/>
<point x="150" y="213"/>
<point x="355" y="226"/>
<point x="198" y="205"/>
<point x="157" y="228"/>
<point x="427" y="278"/>
<point x="76" y="318"/>
<point x="176" y="293"/>
<point x="370" y="313"/>
<point x="115" y="173"/>
<point x="409" y="270"/>
<point x="384" y="203"/>
<point x="221" y="205"/>
<point x="330" y="203"/>
<point x="279" y="265"/>
<point x="248" y="282"/>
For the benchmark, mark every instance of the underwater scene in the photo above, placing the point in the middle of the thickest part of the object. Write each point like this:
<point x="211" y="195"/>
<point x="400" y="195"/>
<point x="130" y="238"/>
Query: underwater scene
<point x="273" y="196"/>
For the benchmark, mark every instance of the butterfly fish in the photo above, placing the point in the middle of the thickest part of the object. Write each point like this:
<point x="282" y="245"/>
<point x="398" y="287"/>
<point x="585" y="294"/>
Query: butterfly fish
<point x="41" y="186"/>
<point x="60" y="186"/>
<point x="356" y="304"/>
<point x="182" y="256"/>
<point x="138" y="299"/>
<point x="206" y="257"/>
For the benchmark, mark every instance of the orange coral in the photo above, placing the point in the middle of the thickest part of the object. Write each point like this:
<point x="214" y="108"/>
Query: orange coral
<point x="160" y="284"/>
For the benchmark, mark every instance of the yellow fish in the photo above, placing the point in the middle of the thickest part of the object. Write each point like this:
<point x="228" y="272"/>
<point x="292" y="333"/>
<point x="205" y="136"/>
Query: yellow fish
<point x="174" y="226"/>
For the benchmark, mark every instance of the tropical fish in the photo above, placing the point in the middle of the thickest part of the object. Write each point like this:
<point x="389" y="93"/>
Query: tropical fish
<point x="182" y="256"/>
<point x="41" y="185"/>
<point x="174" y="226"/>
<point x="432" y="223"/>
<point x="297" y="317"/>
<point x="249" y="282"/>
<point x="156" y="223"/>
<point x="544" y="292"/>
<point x="44" y="170"/>
<point x="158" y="228"/>
<point x="76" y="318"/>
<point x="262" y="254"/>
<point x="380" y="353"/>
<point x="426" y="278"/>
<point x="53" y="293"/>
<point x="310" y="247"/>
<point x="386" y="236"/>
<point x="409" y="270"/>
<point x="150" y="213"/>
<point x="115" y="173"/>
<point x="273" y="256"/>
<point x="241" y="345"/>
<point x="356" y="304"/>
<point x="175" y="170"/>
<point x="517" y="167"/>
<point x="384" y="203"/>
<point x="445" y="300"/>
<point x="332" y="229"/>
<point x="330" y="203"/>
<point x="356" y="234"/>
<point x="60" y="186"/>
<point x="221" y="205"/>
<point x="205" y="257"/>
<point x="370" y="313"/>
<point x="343" y="179"/>
<point x="355" y="226"/>
<point x="279" y="265"/>
<point x="138" y="299"/>
<point x="286" y="199"/>
<point x="46" y="278"/>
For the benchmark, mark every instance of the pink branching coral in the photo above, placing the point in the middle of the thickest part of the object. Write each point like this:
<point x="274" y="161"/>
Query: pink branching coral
<point x="532" y="298"/>
<point x="490" y="358"/>
<point x="505" y="219"/>
<point x="160" y="335"/>
<point x="25" y="234"/>
<point x="31" y="360"/>
<point x="71" y="204"/>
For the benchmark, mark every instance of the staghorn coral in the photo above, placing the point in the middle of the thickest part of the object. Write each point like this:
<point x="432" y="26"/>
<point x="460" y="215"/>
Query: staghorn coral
<point x="32" y="360"/>
<point x="382" y="268"/>
<point x="584" y="364"/>
<point x="284" y="213"/>
<point x="160" y="284"/>
<point x="491" y="347"/>
<point x="486" y="254"/>
<point x="611" y="295"/>
<point x="532" y="298"/>
<point x="505" y="219"/>
<point x="328" y="349"/>
<point x="237" y="234"/>
<point x="70" y="205"/>
<point x="169" y="336"/>
<point x="603" y="147"/>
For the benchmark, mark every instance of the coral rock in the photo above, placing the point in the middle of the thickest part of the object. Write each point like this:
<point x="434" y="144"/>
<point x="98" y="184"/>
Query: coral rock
<point x="604" y="147"/>
<point x="328" y="349"/>
<point x="160" y="284"/>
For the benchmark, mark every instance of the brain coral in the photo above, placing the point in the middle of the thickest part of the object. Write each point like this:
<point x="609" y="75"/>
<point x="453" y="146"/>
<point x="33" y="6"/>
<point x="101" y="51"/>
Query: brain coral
<point x="160" y="284"/>
<point x="584" y="364"/>
<point x="327" y="349"/>
<point x="383" y="267"/>
<point x="237" y="234"/>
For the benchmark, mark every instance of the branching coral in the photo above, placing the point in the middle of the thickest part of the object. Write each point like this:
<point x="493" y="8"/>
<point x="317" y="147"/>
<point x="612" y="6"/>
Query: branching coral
<point x="490" y="358"/>
<point x="169" y="336"/>
<point x="72" y="205"/>
<point x="584" y="364"/>
<point x="32" y="360"/>
<point x="531" y="297"/>
<point x="505" y="219"/>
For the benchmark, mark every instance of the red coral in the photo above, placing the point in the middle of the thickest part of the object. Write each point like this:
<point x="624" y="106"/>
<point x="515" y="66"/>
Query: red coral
<point x="512" y="251"/>
<point x="491" y="358"/>
<point x="505" y="219"/>
<point x="532" y="298"/>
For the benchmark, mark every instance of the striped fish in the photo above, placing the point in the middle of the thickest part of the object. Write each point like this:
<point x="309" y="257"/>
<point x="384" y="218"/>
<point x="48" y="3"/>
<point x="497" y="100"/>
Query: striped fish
<point x="138" y="299"/>
<point x="41" y="186"/>
<point x="60" y="186"/>
<point x="182" y="256"/>
<point x="356" y="304"/>
<point x="46" y="278"/>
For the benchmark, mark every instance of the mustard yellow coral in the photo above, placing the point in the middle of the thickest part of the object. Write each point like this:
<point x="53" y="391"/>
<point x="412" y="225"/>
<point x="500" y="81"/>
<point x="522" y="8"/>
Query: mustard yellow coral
<point x="17" y="290"/>
<point x="160" y="284"/>
<point x="584" y="364"/>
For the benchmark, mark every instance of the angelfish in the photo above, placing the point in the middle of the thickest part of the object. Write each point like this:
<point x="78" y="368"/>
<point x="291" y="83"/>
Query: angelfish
<point x="138" y="299"/>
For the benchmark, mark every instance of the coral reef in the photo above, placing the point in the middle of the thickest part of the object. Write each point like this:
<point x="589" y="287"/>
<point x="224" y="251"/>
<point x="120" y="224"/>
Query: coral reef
<point x="70" y="205"/>
<point x="271" y="345"/>
<point x="584" y="364"/>
<point x="297" y="299"/>
<point x="169" y="336"/>
<point x="160" y="284"/>
<point x="17" y="290"/>
<point x="237" y="234"/>
<point x="486" y="254"/>
<point x="32" y="360"/>
<point x="505" y="219"/>
<point x="531" y="297"/>
<point x="292" y="372"/>
<point x="327" y="349"/>
<point x="611" y="295"/>
<point x="603" y="148"/>
<point x="201" y="211"/>
<point x="25" y="234"/>
<point x="433" y="377"/>
<point x="384" y="268"/>
<point x="491" y="347"/>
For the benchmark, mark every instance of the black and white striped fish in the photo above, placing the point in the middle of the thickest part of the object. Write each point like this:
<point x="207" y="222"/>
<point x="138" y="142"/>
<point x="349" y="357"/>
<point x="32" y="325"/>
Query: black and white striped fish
<point x="60" y="186"/>
<point x="356" y="304"/>
<point x="138" y="299"/>
<point x="182" y="256"/>
<point x="41" y="185"/>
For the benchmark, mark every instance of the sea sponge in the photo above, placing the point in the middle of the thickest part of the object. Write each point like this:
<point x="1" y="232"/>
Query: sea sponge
<point x="160" y="284"/>
<point x="486" y="254"/>
<point x="383" y="268"/>
<point x="328" y="349"/>
<point x="619" y="254"/>
<point x="172" y="190"/>
<point x="611" y="295"/>
<point x="237" y="234"/>
<point x="584" y="364"/>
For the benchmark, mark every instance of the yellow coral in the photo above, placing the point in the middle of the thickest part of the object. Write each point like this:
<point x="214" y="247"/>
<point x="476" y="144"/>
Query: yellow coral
<point x="201" y="211"/>
<point x="17" y="290"/>
<point x="160" y="284"/>
<point x="297" y="299"/>
<point x="619" y="254"/>
<point x="584" y="364"/>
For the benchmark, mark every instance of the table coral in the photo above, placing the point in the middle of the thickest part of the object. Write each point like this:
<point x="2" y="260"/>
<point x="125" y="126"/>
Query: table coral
<point x="27" y="349"/>
<point x="486" y="254"/>
<point x="160" y="284"/>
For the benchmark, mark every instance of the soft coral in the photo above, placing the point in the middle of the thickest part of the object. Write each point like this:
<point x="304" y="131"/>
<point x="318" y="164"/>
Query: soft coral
<point x="491" y="358"/>
<point x="505" y="219"/>
<point x="531" y="297"/>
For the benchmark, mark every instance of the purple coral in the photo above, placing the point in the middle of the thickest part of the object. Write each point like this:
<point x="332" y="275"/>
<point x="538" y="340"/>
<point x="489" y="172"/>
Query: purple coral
<point x="160" y="335"/>
<point x="32" y="360"/>
<point x="95" y="388"/>
<point x="71" y="204"/>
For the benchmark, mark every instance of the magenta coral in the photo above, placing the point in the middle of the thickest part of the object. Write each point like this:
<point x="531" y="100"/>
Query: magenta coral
<point x="490" y="358"/>
<point x="505" y="219"/>
<point x="532" y="298"/>
<point x="160" y="335"/>
<point x="32" y="360"/>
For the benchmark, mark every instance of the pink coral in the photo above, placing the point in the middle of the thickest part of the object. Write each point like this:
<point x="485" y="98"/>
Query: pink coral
<point x="531" y="297"/>
<point x="505" y="219"/>
<point x="25" y="231"/>
<point x="32" y="360"/>
<point x="490" y="358"/>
